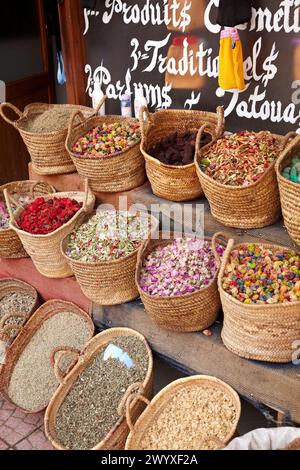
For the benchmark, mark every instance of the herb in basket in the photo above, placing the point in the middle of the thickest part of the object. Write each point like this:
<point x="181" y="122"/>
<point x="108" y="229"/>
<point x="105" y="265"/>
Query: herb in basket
<point x="4" y="215"/>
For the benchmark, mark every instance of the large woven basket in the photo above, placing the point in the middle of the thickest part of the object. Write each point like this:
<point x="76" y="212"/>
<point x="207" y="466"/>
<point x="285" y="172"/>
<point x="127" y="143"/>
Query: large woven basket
<point x="119" y="172"/>
<point x="47" y="150"/>
<point x="116" y="438"/>
<point x="244" y="207"/>
<point x="10" y="244"/>
<point x="162" y="399"/>
<point x="107" y="282"/>
<point x="175" y="183"/>
<point x="290" y="192"/>
<point x="27" y="332"/>
<point x="254" y="331"/>
<point x="190" y="312"/>
<point x="44" y="250"/>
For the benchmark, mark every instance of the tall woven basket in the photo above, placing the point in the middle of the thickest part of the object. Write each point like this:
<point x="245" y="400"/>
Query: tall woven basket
<point x="175" y="183"/>
<point x="10" y="244"/>
<point x="244" y="207"/>
<point x="47" y="150"/>
<point x="189" y="312"/>
<point x="44" y="250"/>
<point x="156" y="407"/>
<point x="116" y="438"/>
<point x="289" y="191"/>
<point x="121" y="171"/>
<point x="261" y="332"/>
<point x="107" y="282"/>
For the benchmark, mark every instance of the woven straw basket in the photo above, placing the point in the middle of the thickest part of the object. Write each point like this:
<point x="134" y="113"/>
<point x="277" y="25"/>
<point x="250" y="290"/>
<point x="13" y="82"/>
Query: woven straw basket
<point x="10" y="244"/>
<point x="47" y="150"/>
<point x="27" y="333"/>
<point x="119" y="172"/>
<point x="44" y="250"/>
<point x="175" y="183"/>
<point x="261" y="332"/>
<point x="244" y="207"/>
<point x="161" y="401"/>
<point x="289" y="191"/>
<point x="107" y="282"/>
<point x="189" y="312"/>
<point x="116" y="438"/>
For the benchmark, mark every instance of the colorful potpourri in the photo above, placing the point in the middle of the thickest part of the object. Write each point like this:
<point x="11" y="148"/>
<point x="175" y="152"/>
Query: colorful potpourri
<point x="42" y="217"/>
<point x="258" y="275"/>
<point x="108" y="139"/>
<point x="240" y="159"/>
<point x="4" y="215"/>
<point x="182" y="267"/>
<point x="109" y="235"/>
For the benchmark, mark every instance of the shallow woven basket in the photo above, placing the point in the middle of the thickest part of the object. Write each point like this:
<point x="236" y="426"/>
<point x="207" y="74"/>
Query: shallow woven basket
<point x="175" y="183"/>
<point x="10" y="244"/>
<point x="27" y="332"/>
<point x="255" y="331"/>
<point x="121" y="171"/>
<point x="289" y="191"/>
<point x="116" y="438"/>
<point x="162" y="399"/>
<point x="47" y="150"/>
<point x="44" y="250"/>
<point x="107" y="282"/>
<point x="253" y="206"/>
<point x="189" y="312"/>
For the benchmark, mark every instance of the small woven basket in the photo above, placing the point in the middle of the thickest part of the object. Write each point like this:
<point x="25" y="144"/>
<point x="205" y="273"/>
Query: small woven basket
<point x="161" y="401"/>
<point x="121" y="171"/>
<point x="289" y="191"/>
<point x="47" y="150"/>
<point x="186" y="313"/>
<point x="44" y="250"/>
<point x="244" y="207"/>
<point x="175" y="183"/>
<point x="107" y="282"/>
<point x="116" y="438"/>
<point x="260" y="332"/>
<point x="10" y="244"/>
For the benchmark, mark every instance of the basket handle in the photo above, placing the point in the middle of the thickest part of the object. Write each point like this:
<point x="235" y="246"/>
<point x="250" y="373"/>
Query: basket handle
<point x="220" y="123"/>
<point x="13" y="108"/>
<point x="87" y="193"/>
<point x="47" y="187"/>
<point x="287" y="138"/>
<point x="8" y="198"/>
<point x="133" y="394"/>
<point x="214" y="244"/>
<point x="7" y="328"/>
<point x="100" y="104"/>
<point x="203" y="128"/>
<point x="9" y="316"/>
<point x="82" y="119"/>
<point x="59" y="374"/>
<point x="145" y="120"/>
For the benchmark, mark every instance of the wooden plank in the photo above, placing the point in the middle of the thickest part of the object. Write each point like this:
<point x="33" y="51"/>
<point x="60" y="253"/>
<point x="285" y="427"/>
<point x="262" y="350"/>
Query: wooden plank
<point x="276" y="386"/>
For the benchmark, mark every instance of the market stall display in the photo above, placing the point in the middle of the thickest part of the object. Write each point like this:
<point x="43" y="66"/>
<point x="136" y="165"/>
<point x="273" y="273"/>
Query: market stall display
<point x="44" y="128"/>
<point x="195" y="413"/>
<point x="175" y="182"/>
<point x="41" y="231"/>
<point x="177" y="282"/>
<point x="102" y="253"/>
<point x="22" y="193"/>
<point x="111" y="362"/>
<point x="237" y="173"/>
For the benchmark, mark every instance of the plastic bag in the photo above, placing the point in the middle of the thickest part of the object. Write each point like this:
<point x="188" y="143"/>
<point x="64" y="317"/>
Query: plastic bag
<point x="265" y="439"/>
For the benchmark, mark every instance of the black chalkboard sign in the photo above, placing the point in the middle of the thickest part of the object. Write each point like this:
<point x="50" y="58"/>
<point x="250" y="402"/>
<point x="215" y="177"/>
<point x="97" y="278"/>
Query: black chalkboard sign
<point x="132" y="43"/>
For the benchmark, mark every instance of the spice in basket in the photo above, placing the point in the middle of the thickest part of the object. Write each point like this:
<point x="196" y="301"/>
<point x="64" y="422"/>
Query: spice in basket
<point x="240" y="159"/>
<point x="108" y="235"/>
<point x="16" y="302"/>
<point x="196" y="418"/>
<point x="178" y="149"/>
<point x="292" y="172"/>
<point x="89" y="411"/>
<point x="33" y="381"/>
<point x="44" y="216"/>
<point x="108" y="139"/>
<point x="4" y="215"/>
<point x="182" y="267"/>
<point x="258" y="275"/>
<point x="54" y="119"/>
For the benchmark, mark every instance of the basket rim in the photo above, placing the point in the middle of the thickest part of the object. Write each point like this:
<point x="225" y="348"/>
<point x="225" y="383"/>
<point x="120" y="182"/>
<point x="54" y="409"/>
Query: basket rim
<point x="234" y="188"/>
<point x="19" y="282"/>
<point x="100" y="338"/>
<point x="279" y="163"/>
<point x="253" y="307"/>
<point x="170" y="389"/>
